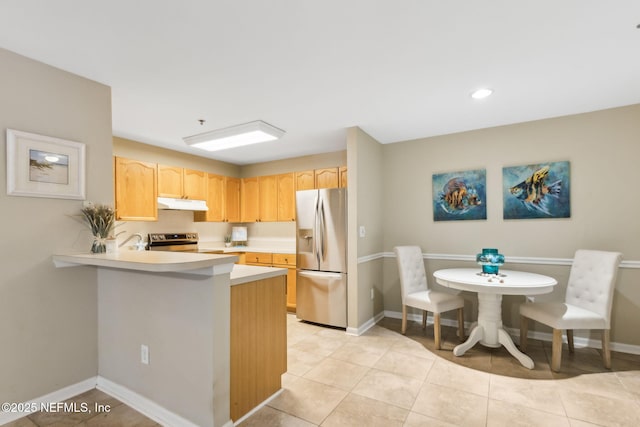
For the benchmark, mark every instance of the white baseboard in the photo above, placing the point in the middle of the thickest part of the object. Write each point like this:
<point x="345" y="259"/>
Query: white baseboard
<point x="56" y="396"/>
<point x="146" y="406"/>
<point x="515" y="333"/>
<point x="366" y="325"/>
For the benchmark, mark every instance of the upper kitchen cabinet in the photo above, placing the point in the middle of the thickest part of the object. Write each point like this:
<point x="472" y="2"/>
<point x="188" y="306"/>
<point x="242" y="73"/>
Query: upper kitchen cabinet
<point x="268" y="198"/>
<point x="327" y="178"/>
<point x="135" y="190"/>
<point x="223" y="200"/>
<point x="249" y="204"/>
<point x="216" y="193"/>
<point x="343" y="177"/>
<point x="170" y="181"/>
<point x="321" y="178"/>
<point x="194" y="184"/>
<point x="179" y="183"/>
<point x="232" y="206"/>
<point x="305" y="180"/>
<point x="286" y="197"/>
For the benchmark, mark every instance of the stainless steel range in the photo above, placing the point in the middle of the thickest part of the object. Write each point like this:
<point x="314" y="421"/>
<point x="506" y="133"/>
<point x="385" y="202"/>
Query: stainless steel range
<point x="177" y="242"/>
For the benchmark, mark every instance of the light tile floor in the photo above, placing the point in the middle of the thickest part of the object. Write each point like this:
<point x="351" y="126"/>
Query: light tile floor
<point x="383" y="378"/>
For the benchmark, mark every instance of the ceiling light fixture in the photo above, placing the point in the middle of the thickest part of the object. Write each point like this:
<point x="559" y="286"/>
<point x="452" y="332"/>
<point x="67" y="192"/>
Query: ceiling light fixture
<point x="235" y="136"/>
<point x="481" y="93"/>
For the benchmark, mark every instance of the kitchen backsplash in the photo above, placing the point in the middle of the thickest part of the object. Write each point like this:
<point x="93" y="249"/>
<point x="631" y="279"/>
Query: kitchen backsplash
<point x="170" y="221"/>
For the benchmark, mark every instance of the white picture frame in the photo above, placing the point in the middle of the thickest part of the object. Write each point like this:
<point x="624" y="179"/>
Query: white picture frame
<point x="44" y="166"/>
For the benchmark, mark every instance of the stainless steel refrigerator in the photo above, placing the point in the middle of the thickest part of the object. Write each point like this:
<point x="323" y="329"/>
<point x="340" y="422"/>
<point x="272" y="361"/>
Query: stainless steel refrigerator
<point x="321" y="246"/>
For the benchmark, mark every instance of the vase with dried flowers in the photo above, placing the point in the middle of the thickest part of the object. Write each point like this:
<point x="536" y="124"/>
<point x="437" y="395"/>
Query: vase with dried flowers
<point x="101" y="219"/>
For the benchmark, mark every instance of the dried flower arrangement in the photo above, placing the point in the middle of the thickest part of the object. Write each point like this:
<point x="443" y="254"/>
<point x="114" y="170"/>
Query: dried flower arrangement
<point x="101" y="220"/>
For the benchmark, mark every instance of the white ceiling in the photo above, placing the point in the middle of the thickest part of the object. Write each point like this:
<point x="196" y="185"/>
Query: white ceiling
<point x="398" y="69"/>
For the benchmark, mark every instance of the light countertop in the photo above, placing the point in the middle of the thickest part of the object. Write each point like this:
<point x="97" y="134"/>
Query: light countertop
<point x="263" y="248"/>
<point x="151" y="261"/>
<point x="164" y="262"/>
<point x="249" y="273"/>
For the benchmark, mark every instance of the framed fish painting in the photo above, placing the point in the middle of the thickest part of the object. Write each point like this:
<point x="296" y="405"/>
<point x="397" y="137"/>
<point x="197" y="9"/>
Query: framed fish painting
<point x="460" y="195"/>
<point x="537" y="191"/>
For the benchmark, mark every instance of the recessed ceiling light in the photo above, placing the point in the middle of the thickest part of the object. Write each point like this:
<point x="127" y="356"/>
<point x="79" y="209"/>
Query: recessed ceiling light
<point x="234" y="136"/>
<point x="481" y="93"/>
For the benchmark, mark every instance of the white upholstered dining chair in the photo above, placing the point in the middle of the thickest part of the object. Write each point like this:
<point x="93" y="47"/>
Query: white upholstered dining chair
<point x="587" y="304"/>
<point x="416" y="293"/>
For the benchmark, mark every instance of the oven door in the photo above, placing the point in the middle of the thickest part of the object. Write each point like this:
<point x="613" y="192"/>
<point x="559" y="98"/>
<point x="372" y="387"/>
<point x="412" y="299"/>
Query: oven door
<point x="181" y="247"/>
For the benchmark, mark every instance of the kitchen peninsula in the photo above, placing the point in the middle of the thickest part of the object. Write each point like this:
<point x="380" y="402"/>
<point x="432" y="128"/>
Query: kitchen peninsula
<point x="175" y="329"/>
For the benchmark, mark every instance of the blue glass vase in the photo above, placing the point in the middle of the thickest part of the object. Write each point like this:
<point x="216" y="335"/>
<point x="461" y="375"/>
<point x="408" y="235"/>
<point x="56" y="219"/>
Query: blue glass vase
<point x="490" y="260"/>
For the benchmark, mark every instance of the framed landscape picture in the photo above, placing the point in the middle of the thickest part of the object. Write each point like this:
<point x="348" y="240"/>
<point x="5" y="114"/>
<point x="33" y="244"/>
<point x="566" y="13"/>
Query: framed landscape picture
<point x="537" y="191"/>
<point x="459" y="195"/>
<point x="43" y="166"/>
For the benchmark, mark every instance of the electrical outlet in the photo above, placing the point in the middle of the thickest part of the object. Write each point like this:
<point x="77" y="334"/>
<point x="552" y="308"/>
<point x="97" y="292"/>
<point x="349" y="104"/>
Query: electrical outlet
<point x="373" y="294"/>
<point x="144" y="354"/>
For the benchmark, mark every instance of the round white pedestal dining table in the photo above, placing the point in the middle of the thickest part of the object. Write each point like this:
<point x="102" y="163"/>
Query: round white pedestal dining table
<point x="488" y="330"/>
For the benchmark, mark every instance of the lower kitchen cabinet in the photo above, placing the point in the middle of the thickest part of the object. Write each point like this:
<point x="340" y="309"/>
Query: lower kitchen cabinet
<point x="262" y="259"/>
<point x="288" y="261"/>
<point x="258" y="342"/>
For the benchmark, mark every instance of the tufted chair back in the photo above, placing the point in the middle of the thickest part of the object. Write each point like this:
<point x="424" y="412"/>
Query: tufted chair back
<point x="411" y="267"/>
<point x="592" y="280"/>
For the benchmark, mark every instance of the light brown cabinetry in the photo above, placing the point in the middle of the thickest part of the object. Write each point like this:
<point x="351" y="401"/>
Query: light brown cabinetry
<point x="194" y="184"/>
<point x="288" y="261"/>
<point x="180" y="183"/>
<point x="232" y="199"/>
<point x="305" y="180"/>
<point x="135" y="190"/>
<point x="268" y="198"/>
<point x="327" y="178"/>
<point x="169" y="181"/>
<point x="259" y="258"/>
<point x="286" y="197"/>
<point x="249" y="205"/>
<point x="216" y="194"/>
<point x="343" y="176"/>
<point x="258" y="342"/>
<point x="321" y="178"/>
<point x="223" y="200"/>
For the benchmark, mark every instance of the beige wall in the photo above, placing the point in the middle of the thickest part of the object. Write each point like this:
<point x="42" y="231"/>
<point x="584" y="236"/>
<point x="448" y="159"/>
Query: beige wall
<point x="365" y="209"/>
<point x="316" y="161"/>
<point x="184" y="322"/>
<point x="136" y="150"/>
<point x="48" y="316"/>
<point x="603" y="150"/>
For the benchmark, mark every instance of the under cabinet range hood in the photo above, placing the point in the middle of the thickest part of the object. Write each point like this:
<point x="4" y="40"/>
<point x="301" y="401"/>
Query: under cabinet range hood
<point x="182" y="204"/>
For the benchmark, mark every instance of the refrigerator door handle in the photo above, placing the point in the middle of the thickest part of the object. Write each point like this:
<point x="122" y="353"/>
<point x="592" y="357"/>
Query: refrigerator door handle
<point x="322" y="232"/>
<point x="316" y="229"/>
<point x="320" y="274"/>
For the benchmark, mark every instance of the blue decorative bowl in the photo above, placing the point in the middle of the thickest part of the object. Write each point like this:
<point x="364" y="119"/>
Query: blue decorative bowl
<point x="490" y="260"/>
